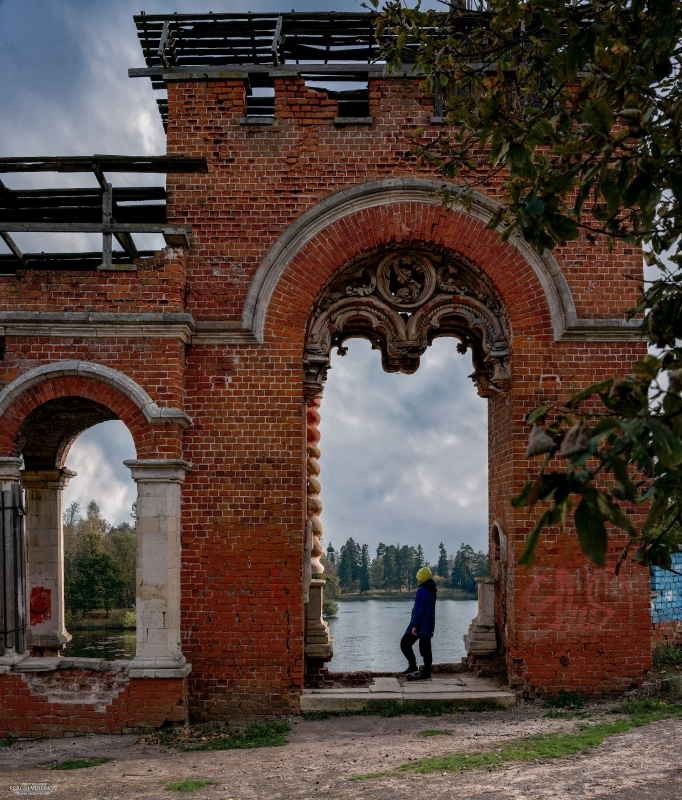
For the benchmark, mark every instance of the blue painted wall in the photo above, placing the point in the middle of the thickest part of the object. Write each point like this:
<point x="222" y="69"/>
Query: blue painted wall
<point x="666" y="606"/>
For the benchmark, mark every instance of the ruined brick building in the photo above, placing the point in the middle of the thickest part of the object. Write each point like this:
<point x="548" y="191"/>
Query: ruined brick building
<point x="294" y="221"/>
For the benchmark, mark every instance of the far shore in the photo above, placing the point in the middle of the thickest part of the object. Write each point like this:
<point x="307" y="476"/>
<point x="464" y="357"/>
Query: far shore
<point x="443" y="594"/>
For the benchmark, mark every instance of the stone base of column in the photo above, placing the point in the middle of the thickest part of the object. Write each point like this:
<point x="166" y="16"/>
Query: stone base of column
<point x="48" y="644"/>
<point x="319" y="644"/>
<point x="159" y="667"/>
<point x="481" y="640"/>
<point x="10" y="658"/>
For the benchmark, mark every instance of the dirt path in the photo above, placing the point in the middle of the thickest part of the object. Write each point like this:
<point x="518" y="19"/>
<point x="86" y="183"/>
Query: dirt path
<point x="645" y="764"/>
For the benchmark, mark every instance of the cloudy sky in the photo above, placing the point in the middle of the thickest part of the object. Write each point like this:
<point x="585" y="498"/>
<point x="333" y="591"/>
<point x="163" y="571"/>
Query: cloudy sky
<point x="403" y="456"/>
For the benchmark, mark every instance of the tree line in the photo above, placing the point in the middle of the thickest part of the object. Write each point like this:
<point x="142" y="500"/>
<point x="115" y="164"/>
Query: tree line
<point x="394" y="568"/>
<point x="99" y="561"/>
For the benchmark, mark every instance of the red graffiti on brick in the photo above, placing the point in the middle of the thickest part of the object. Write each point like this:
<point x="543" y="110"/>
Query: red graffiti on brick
<point x="41" y="605"/>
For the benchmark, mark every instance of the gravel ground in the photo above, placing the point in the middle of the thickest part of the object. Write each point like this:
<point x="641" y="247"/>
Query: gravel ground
<point x="644" y="764"/>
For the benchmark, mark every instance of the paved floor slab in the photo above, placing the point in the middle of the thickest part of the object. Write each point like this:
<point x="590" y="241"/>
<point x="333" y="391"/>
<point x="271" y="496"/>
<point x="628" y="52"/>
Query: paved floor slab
<point x="462" y="690"/>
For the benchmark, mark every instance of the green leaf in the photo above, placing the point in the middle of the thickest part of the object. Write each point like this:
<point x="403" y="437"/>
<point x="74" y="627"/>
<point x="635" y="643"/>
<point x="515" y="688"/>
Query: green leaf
<point x="591" y="529"/>
<point x="620" y="471"/>
<point x="562" y="228"/>
<point x="521" y="500"/>
<point x="549" y="518"/>
<point x="614" y="513"/>
<point x="598" y="115"/>
<point x="596" y="388"/>
<point x="549" y="21"/>
<point x="535" y="415"/>
<point x="667" y="447"/>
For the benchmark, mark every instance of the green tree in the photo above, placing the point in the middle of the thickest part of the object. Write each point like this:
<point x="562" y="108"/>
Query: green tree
<point x="377" y="573"/>
<point x="389" y="569"/>
<point x="419" y="558"/>
<point x="574" y="109"/>
<point x="346" y="566"/>
<point x="462" y="576"/>
<point x="96" y="580"/>
<point x="365" y="584"/>
<point x="442" y="567"/>
<point x="121" y="544"/>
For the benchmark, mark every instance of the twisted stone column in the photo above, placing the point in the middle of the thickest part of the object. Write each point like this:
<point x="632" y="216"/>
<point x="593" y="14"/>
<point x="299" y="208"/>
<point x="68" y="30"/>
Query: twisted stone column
<point x="314" y="502"/>
<point x="319" y="645"/>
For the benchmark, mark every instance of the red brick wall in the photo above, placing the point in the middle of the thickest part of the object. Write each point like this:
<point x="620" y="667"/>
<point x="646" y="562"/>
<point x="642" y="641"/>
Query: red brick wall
<point x="244" y="501"/>
<point x="27" y="711"/>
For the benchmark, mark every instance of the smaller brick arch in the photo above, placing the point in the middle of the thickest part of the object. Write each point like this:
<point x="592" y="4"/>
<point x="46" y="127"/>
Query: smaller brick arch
<point x="43" y="411"/>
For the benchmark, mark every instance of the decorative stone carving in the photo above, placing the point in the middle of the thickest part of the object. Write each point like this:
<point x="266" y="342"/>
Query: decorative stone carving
<point x="401" y="302"/>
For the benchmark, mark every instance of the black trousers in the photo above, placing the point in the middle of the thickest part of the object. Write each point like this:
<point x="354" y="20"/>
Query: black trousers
<point x="406" y="645"/>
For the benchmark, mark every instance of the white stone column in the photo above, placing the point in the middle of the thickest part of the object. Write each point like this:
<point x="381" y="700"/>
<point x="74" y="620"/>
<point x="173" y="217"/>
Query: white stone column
<point x="159" y="498"/>
<point x="12" y="586"/>
<point x="47" y="633"/>
<point x="481" y="639"/>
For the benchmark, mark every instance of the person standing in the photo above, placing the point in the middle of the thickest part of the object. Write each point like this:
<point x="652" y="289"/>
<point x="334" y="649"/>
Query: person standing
<point x="422" y="624"/>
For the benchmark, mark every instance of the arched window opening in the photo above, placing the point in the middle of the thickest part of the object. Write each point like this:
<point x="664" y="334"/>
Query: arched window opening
<point x="100" y="544"/>
<point x="405" y="477"/>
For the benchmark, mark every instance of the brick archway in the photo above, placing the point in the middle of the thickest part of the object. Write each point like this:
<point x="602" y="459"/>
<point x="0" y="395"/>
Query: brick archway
<point x="548" y="607"/>
<point x="103" y="393"/>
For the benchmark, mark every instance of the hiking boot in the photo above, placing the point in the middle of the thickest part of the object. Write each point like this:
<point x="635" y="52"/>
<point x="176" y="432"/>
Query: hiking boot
<point x="410" y="671"/>
<point x="420" y="676"/>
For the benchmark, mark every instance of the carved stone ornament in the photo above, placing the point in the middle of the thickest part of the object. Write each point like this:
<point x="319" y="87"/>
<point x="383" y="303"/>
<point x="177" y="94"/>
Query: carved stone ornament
<point x="401" y="302"/>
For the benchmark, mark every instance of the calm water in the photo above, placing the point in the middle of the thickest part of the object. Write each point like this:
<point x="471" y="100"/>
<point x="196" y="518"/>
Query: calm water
<point x="367" y="633"/>
<point x="109" y="645"/>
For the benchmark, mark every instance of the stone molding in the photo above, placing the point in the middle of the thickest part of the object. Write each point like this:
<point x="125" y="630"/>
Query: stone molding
<point x="97" y="325"/>
<point x="46" y="478"/>
<point x="565" y="322"/>
<point x="10" y="469"/>
<point x="158" y="470"/>
<point x="98" y="372"/>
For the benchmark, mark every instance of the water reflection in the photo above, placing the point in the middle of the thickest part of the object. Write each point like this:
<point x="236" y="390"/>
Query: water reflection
<point x="106" y="644"/>
<point x="367" y="633"/>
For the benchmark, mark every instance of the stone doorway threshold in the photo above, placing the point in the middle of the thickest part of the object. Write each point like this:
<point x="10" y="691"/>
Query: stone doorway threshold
<point x="462" y="689"/>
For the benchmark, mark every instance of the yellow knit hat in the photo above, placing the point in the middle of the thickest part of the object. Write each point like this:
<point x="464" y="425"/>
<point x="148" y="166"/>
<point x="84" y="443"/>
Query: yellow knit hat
<point x="424" y="574"/>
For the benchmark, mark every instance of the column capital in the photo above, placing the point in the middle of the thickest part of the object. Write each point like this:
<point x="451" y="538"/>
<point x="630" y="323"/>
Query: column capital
<point x="46" y="478"/>
<point x="158" y="470"/>
<point x="9" y="469"/>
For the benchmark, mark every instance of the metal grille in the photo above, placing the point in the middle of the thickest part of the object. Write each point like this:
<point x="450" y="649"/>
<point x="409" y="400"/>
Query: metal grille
<point x="13" y="571"/>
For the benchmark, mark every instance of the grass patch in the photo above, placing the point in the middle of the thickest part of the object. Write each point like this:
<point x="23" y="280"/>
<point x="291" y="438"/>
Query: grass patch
<point x="428" y="708"/>
<point x="316" y="716"/>
<point x="565" y="700"/>
<point x="437" y="732"/>
<point x="223" y="736"/>
<point x="666" y="656"/>
<point x="187" y="786"/>
<point x="544" y="746"/>
<point x="7" y="742"/>
<point x="80" y="763"/>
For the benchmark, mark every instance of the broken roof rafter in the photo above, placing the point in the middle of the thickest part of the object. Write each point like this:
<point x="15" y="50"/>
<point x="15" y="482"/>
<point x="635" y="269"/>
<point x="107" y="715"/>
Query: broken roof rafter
<point x="116" y="212"/>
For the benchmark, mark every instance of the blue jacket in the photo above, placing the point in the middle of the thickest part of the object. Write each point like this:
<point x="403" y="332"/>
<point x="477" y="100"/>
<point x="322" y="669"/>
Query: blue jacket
<point x="424" y="611"/>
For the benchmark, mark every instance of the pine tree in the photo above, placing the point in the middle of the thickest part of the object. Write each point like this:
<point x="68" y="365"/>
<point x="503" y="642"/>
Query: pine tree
<point x="399" y="569"/>
<point x="389" y="569"/>
<point x="462" y="576"/>
<point x="346" y="567"/>
<point x="442" y="567"/>
<point x="419" y="560"/>
<point x="365" y="584"/>
<point x="408" y="557"/>
<point x="331" y="554"/>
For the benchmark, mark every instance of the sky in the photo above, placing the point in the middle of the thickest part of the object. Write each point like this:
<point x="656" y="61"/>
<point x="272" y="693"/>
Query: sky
<point x="403" y="456"/>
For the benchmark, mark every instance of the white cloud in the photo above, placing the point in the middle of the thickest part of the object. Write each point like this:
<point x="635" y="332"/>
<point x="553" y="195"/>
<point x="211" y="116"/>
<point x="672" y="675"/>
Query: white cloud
<point x="97" y="456"/>
<point x="404" y="457"/>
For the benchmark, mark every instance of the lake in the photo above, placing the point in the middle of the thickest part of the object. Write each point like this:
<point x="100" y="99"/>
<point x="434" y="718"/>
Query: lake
<point x="366" y="635"/>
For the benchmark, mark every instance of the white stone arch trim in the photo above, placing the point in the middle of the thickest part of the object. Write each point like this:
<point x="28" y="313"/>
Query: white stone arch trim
<point x="565" y="323"/>
<point x="98" y="372"/>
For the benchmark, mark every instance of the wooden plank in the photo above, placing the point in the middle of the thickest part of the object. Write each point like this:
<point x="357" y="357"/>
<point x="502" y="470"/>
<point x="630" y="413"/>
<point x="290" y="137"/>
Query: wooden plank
<point x="161" y="51"/>
<point x="13" y="246"/>
<point x="92" y="227"/>
<point x="276" y="41"/>
<point x="106" y="163"/>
